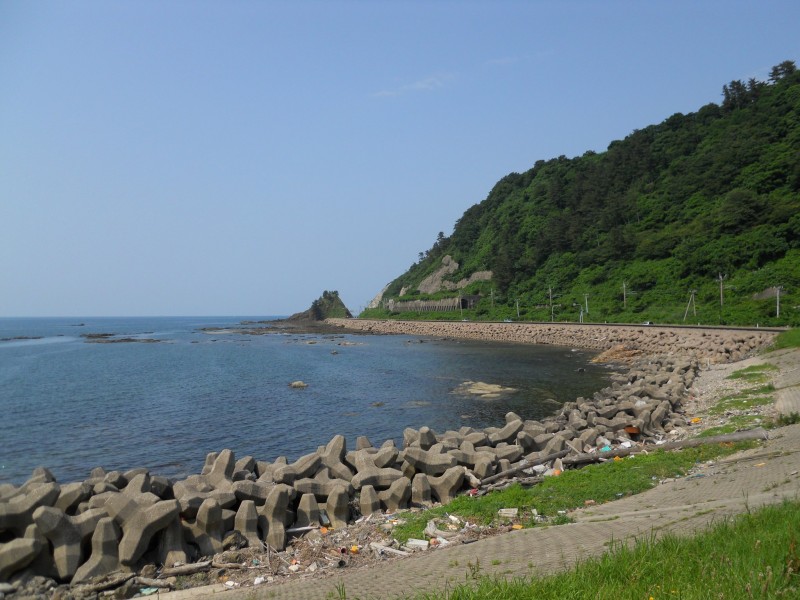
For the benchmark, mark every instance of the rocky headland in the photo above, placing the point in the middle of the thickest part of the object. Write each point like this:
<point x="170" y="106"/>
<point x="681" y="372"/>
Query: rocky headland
<point x="138" y="530"/>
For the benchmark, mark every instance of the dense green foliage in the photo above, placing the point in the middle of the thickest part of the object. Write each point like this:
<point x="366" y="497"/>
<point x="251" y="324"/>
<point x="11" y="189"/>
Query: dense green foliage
<point x="708" y="201"/>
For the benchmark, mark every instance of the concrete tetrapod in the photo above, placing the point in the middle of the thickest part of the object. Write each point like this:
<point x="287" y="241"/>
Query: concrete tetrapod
<point x="66" y="534"/>
<point x="303" y="467"/>
<point x="105" y="554"/>
<point x="139" y="524"/>
<point x="17" y="513"/>
<point x="333" y="457"/>
<point x="447" y="486"/>
<point x="206" y="531"/>
<point x="396" y="497"/>
<point x="246" y="523"/>
<point x="322" y="488"/>
<point x="221" y="470"/>
<point x="421" y="491"/>
<point x="428" y="462"/>
<point x="338" y="507"/>
<point x="171" y="545"/>
<point x="72" y="494"/>
<point x="17" y="554"/>
<point x="257" y="491"/>
<point x="368" y="501"/>
<point x="272" y="516"/>
<point x="368" y="473"/>
<point x="307" y="511"/>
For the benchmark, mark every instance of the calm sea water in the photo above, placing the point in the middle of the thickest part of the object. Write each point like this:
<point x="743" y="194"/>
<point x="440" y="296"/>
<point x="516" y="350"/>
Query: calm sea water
<point x="70" y="405"/>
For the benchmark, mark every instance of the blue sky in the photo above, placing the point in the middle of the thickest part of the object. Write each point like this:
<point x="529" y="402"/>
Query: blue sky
<point x="238" y="158"/>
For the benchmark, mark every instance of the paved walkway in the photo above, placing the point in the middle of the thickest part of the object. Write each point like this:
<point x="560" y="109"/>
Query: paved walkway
<point x="748" y="480"/>
<point x="787" y="382"/>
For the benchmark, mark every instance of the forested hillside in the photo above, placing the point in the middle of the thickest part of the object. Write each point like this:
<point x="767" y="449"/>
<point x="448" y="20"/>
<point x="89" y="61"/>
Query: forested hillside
<point x="706" y="202"/>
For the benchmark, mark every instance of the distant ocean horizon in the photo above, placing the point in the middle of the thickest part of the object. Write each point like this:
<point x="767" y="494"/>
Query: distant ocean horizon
<point x="160" y="393"/>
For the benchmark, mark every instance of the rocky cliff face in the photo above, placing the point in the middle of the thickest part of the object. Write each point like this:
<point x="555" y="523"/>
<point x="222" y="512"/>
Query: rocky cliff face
<point x="436" y="282"/>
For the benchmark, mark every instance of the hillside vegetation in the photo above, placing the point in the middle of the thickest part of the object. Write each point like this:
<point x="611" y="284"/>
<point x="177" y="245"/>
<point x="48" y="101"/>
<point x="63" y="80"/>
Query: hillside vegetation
<point x="708" y="201"/>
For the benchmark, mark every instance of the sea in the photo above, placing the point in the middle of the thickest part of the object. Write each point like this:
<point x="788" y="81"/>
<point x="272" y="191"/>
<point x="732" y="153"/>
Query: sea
<point x="161" y="393"/>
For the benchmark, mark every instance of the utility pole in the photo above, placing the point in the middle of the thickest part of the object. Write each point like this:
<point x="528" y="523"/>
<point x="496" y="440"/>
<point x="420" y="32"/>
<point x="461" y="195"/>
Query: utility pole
<point x="492" y="295"/>
<point x="692" y="304"/>
<point x="550" y="291"/>
<point x="624" y="296"/>
<point x="586" y="299"/>
<point x="517" y="302"/>
<point x="778" y="301"/>
<point x="721" y="278"/>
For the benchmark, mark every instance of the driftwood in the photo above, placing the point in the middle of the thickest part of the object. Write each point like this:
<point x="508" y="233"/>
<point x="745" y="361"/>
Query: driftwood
<point x="501" y="485"/>
<point x="156" y="583"/>
<point x="581" y="459"/>
<point x="186" y="569"/>
<point x="113" y="581"/>
<point x="527" y="465"/>
<point x="739" y="436"/>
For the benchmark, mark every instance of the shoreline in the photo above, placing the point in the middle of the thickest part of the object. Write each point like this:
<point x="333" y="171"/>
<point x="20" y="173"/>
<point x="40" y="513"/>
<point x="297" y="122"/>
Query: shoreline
<point x="264" y="501"/>
<point x="715" y="345"/>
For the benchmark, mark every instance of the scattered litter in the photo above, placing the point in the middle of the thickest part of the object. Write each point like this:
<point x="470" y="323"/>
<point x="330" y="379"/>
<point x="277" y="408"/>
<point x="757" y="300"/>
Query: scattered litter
<point x="508" y="513"/>
<point x="259" y="580"/>
<point x="415" y="544"/>
<point x="148" y="591"/>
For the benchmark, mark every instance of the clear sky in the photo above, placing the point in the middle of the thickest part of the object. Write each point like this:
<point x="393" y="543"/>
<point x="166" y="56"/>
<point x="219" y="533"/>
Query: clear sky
<point x="240" y="157"/>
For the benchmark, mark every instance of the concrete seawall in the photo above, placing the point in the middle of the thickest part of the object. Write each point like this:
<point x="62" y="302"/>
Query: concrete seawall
<point x="714" y="345"/>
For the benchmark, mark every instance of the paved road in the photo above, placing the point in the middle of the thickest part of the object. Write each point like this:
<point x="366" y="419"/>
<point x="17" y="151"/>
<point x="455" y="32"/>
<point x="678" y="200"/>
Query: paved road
<point x="748" y="480"/>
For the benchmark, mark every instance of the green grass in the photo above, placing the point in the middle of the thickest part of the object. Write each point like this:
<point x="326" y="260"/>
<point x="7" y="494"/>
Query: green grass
<point x="600" y="483"/>
<point x="750" y="397"/>
<point x="753" y="556"/>
<point x="754" y="373"/>
<point x="744" y="400"/>
<point x="735" y="423"/>
<point x="787" y="339"/>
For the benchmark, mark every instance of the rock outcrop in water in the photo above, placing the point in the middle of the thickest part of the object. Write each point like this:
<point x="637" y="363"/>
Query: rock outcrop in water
<point x="121" y="521"/>
<point x="327" y="306"/>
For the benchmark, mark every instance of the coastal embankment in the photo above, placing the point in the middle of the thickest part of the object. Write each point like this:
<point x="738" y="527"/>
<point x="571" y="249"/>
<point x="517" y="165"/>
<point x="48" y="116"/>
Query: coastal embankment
<point x="141" y="531"/>
<point x="712" y="344"/>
